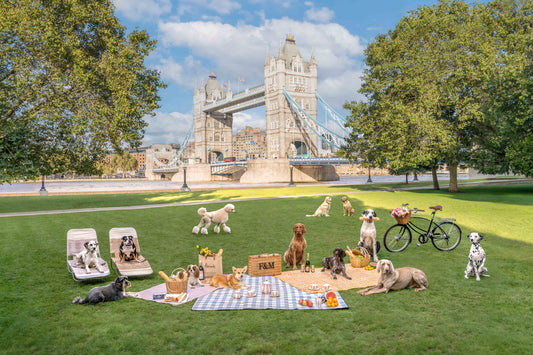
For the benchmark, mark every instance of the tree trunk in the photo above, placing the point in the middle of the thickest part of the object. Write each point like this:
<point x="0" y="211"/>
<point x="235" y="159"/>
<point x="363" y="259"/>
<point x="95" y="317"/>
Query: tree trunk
<point x="435" y="179"/>
<point x="452" y="169"/>
<point x="407" y="178"/>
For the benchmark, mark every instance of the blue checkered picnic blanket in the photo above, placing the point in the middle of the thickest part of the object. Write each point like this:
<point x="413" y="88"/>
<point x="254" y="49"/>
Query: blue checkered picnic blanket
<point x="222" y="299"/>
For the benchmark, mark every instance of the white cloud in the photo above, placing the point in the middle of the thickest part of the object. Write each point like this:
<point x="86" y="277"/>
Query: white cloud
<point x="142" y="9"/>
<point x="253" y="118"/>
<point x="167" y="127"/>
<point x="322" y="15"/>
<point x="187" y="73"/>
<point x="240" y="51"/>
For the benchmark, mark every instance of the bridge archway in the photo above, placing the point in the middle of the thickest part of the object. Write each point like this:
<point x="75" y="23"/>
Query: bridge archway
<point x="216" y="156"/>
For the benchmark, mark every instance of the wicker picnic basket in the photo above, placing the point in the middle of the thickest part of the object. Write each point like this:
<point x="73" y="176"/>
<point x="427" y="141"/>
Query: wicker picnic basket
<point x="355" y="257"/>
<point x="264" y="265"/>
<point x="176" y="285"/>
<point x="403" y="220"/>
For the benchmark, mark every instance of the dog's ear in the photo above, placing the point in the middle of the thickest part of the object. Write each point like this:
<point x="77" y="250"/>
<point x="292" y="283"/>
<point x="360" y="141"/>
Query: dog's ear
<point x="374" y="214"/>
<point x="233" y="268"/>
<point x="379" y="266"/>
<point x="86" y="245"/>
<point x="480" y="236"/>
<point x="305" y="228"/>
<point x="245" y="268"/>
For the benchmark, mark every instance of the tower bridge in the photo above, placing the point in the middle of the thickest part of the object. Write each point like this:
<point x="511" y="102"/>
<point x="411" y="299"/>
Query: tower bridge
<point x="293" y="126"/>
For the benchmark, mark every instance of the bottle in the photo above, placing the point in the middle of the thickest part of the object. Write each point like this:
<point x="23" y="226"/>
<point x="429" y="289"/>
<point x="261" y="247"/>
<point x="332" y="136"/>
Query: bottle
<point x="201" y="268"/>
<point x="307" y="264"/>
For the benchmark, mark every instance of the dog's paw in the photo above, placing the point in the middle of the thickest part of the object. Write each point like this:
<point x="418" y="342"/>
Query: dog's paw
<point x="204" y="231"/>
<point x="227" y="229"/>
<point x="216" y="229"/>
<point x="195" y="230"/>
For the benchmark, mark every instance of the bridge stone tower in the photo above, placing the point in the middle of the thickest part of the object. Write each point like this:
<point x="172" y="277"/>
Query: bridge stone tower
<point x="287" y="135"/>
<point x="212" y="131"/>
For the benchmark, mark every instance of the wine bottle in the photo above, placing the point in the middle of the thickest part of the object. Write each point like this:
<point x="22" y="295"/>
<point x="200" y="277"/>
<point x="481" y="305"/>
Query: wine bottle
<point x="201" y="268"/>
<point x="307" y="264"/>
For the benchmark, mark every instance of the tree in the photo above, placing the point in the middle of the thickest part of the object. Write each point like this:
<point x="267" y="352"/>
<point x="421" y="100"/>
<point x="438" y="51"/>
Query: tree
<point x="123" y="162"/>
<point x="452" y="84"/>
<point x="73" y="86"/>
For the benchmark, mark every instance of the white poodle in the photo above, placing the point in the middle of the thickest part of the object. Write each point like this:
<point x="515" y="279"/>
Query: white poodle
<point x="219" y="218"/>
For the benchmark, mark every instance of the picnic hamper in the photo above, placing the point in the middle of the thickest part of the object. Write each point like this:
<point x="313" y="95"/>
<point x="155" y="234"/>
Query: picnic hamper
<point x="175" y="285"/>
<point x="264" y="265"/>
<point x="403" y="220"/>
<point x="355" y="257"/>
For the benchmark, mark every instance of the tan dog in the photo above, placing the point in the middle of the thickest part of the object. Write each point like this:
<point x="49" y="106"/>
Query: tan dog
<point x="295" y="254"/>
<point x="323" y="209"/>
<point x="391" y="279"/>
<point x="348" y="210"/>
<point x="219" y="218"/>
<point x="235" y="280"/>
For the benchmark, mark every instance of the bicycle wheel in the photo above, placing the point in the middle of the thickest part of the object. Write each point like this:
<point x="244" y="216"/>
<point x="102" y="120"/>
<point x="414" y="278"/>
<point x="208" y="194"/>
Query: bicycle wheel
<point x="446" y="236"/>
<point x="397" y="238"/>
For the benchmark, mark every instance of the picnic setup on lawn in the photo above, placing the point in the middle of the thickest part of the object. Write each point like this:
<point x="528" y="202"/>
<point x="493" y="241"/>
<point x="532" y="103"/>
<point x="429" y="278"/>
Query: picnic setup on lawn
<point x="269" y="280"/>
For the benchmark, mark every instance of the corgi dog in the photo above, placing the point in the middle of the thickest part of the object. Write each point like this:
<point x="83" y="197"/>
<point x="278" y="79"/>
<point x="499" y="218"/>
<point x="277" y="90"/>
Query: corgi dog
<point x="235" y="280"/>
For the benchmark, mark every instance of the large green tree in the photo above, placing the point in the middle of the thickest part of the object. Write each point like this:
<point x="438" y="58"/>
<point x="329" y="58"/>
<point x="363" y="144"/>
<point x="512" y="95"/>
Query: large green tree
<point x="427" y="86"/>
<point x="73" y="86"/>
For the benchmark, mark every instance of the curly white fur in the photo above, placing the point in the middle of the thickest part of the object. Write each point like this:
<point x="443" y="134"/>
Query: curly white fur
<point x="219" y="218"/>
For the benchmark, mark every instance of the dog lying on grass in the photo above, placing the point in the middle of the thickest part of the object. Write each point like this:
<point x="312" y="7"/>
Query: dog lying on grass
<point x="391" y="279"/>
<point x="112" y="292"/>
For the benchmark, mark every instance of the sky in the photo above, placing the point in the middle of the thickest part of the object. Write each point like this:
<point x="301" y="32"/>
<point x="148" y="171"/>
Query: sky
<point x="233" y="38"/>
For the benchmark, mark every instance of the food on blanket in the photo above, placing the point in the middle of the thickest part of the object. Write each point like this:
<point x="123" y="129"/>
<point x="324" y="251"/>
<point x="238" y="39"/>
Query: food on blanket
<point x="158" y="296"/>
<point x="309" y="303"/>
<point x="163" y="275"/>
<point x="331" y="295"/>
<point x="301" y="302"/>
<point x="175" y="297"/>
<point x="332" y="302"/>
<point x="369" y="267"/>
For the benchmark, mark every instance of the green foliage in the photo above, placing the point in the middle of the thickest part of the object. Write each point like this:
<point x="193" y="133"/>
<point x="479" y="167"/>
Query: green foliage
<point x="450" y="83"/>
<point x="124" y="162"/>
<point x="470" y="317"/>
<point x="73" y="85"/>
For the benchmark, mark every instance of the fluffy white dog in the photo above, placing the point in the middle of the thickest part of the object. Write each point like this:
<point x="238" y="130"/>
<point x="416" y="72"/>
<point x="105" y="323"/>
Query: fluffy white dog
<point x="323" y="209"/>
<point x="219" y="218"/>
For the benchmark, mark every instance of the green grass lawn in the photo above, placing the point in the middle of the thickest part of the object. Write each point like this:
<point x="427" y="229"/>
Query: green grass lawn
<point x="454" y="315"/>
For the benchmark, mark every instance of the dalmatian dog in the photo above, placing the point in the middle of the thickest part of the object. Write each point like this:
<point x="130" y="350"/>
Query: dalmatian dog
<point x="476" y="258"/>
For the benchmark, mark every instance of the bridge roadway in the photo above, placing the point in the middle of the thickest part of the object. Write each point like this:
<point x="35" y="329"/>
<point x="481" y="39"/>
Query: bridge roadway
<point x="241" y="101"/>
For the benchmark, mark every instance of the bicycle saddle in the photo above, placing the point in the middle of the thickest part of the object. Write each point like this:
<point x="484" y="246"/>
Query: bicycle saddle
<point x="436" y="208"/>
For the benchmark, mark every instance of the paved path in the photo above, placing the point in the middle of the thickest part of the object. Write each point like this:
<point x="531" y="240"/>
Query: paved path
<point x="175" y="204"/>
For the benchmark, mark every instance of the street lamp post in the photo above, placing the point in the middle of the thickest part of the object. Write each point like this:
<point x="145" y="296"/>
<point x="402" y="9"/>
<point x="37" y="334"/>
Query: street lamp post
<point x="369" y="178"/>
<point x="43" y="191"/>
<point x="184" y="187"/>
<point x="291" y="183"/>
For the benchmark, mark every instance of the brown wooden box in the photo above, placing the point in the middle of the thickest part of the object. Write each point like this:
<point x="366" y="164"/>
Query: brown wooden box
<point x="264" y="265"/>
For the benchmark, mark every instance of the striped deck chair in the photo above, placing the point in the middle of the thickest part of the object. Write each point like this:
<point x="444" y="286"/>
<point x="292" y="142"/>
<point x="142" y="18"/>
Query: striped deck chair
<point x="130" y="261"/>
<point x="76" y="239"/>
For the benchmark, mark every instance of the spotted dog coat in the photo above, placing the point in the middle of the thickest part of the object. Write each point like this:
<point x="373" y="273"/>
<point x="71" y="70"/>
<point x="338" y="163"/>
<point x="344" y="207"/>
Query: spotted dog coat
<point x="335" y="263"/>
<point x="476" y="258"/>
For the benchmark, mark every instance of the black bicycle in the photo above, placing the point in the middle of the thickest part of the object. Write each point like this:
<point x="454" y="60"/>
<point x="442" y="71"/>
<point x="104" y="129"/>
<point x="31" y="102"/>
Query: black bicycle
<point x="444" y="234"/>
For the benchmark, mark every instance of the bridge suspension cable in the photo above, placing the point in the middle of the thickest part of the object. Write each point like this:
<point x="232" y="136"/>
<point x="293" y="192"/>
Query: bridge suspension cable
<point x="320" y="129"/>
<point x="175" y="159"/>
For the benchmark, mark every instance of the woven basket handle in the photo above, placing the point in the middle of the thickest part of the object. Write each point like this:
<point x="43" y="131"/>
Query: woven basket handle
<point x="179" y="268"/>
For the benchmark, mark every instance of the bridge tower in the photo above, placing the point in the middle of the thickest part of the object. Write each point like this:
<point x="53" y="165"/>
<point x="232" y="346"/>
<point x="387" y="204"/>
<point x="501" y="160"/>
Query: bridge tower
<point x="212" y="131"/>
<point x="287" y="135"/>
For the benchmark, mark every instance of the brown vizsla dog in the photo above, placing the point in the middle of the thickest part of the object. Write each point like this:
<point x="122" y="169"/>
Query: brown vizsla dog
<point x="295" y="254"/>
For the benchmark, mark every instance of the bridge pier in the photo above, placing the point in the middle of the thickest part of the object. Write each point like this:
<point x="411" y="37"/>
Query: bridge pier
<point x="278" y="170"/>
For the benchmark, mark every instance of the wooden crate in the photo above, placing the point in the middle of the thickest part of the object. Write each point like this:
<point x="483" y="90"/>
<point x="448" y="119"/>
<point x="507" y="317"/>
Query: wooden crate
<point x="264" y="265"/>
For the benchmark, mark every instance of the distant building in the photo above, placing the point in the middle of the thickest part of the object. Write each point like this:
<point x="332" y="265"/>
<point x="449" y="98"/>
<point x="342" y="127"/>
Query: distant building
<point x="249" y="143"/>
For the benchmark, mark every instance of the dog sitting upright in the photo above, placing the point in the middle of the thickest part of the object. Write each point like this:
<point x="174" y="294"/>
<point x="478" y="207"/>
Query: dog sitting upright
<point x="127" y="249"/>
<point x="336" y="263"/>
<point x="235" y="280"/>
<point x="193" y="278"/>
<point x="347" y="208"/>
<point x="219" y="218"/>
<point x="89" y="257"/>
<point x="367" y="238"/>
<point x="323" y="209"/>
<point x="295" y="254"/>
<point x="476" y="258"/>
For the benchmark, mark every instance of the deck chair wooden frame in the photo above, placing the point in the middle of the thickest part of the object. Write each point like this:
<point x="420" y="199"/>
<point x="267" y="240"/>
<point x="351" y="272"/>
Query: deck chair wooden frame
<point x="127" y="268"/>
<point x="76" y="239"/>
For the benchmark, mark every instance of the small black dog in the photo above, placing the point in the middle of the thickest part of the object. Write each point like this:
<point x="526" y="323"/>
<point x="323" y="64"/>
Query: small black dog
<point x="112" y="292"/>
<point x="128" y="250"/>
<point x="336" y="263"/>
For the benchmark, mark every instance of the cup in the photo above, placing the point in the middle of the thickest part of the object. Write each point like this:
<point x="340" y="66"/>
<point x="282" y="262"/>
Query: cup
<point x="326" y="287"/>
<point x="274" y="293"/>
<point x="313" y="287"/>
<point x="237" y="295"/>
<point x="251" y="293"/>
